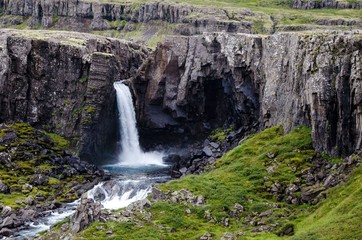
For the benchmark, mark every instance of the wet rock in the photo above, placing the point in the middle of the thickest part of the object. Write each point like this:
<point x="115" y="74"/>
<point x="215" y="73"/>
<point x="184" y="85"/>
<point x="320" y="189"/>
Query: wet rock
<point x="8" y="222"/>
<point x="28" y="214"/>
<point x="6" y="232"/>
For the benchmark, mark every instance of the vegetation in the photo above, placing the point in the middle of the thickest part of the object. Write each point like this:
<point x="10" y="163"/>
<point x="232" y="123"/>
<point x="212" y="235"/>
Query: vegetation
<point x="241" y="177"/>
<point x="337" y="217"/>
<point x="28" y="153"/>
<point x="238" y="178"/>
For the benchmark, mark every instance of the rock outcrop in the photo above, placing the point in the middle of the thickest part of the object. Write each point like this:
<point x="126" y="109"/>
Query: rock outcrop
<point x="91" y="15"/>
<point x="313" y="4"/>
<point x="192" y="83"/>
<point x="63" y="82"/>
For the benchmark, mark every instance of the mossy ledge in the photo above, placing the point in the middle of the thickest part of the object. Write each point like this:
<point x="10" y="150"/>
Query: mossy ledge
<point x="256" y="191"/>
<point x="38" y="173"/>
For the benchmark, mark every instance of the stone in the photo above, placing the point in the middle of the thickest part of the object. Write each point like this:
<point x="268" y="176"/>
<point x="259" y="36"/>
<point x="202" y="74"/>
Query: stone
<point x="6" y="211"/>
<point x="8" y="222"/>
<point x="39" y="180"/>
<point x="6" y="232"/>
<point x="206" y="236"/>
<point x="30" y="200"/>
<point x="207" y="151"/>
<point x="27" y="187"/>
<point x="214" y="145"/>
<point x="4" y="188"/>
<point x="266" y="213"/>
<point x="86" y="212"/>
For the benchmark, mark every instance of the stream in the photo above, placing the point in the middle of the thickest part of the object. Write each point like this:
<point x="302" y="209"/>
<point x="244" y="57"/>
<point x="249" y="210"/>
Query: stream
<point x="134" y="173"/>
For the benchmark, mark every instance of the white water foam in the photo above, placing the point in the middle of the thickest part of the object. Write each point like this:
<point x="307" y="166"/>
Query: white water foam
<point x="120" y="193"/>
<point x="132" y="154"/>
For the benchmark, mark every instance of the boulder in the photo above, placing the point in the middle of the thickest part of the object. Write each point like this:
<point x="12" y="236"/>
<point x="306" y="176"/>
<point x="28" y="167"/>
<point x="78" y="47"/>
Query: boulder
<point x="207" y="151"/>
<point x="6" y="232"/>
<point x="86" y="212"/>
<point x="4" y="188"/>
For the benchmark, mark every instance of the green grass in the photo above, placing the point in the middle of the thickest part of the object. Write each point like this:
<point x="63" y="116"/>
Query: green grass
<point x="238" y="177"/>
<point x="337" y="217"/>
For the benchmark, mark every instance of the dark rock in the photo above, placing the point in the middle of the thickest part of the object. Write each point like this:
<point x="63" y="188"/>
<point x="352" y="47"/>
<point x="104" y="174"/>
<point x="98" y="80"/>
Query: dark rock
<point x="30" y="200"/>
<point x="157" y="194"/>
<point x="87" y="212"/>
<point x="270" y="94"/>
<point x="8" y="222"/>
<point x="206" y="236"/>
<point x="310" y="193"/>
<point x="6" y="232"/>
<point x="4" y="188"/>
<point x="207" y="151"/>
<point x="8" y="138"/>
<point x="39" y="180"/>
<point x="6" y="211"/>
<point x="214" y="145"/>
<point x="266" y="213"/>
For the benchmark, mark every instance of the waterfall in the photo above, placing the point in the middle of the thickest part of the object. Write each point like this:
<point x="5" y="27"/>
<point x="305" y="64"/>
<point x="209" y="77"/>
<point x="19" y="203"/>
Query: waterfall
<point x="131" y="154"/>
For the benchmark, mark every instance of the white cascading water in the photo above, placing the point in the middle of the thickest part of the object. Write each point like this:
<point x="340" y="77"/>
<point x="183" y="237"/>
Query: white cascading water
<point x="132" y="154"/>
<point x="133" y="166"/>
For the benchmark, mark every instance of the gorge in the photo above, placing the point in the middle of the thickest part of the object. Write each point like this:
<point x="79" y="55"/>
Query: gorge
<point x="255" y="106"/>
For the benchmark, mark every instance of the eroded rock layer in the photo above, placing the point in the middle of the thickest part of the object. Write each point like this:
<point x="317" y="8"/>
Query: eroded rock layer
<point x="191" y="83"/>
<point x="63" y="82"/>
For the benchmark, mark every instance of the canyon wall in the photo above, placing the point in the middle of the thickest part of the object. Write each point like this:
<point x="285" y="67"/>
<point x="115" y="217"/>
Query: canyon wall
<point x="313" y="4"/>
<point x="63" y="82"/>
<point x="91" y="15"/>
<point x="190" y="84"/>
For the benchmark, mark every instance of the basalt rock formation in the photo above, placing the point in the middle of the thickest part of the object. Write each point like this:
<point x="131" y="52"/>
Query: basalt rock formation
<point x="90" y="15"/>
<point x="190" y="84"/>
<point x="63" y="82"/>
<point x="313" y="4"/>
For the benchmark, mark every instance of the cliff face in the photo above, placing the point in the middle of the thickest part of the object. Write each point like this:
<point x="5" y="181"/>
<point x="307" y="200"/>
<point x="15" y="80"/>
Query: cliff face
<point x="62" y="82"/>
<point x="194" y="82"/>
<point x="313" y="4"/>
<point x="92" y="15"/>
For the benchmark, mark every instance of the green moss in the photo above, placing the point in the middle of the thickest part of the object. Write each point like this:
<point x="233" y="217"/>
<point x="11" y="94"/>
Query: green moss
<point x="90" y="109"/>
<point x="219" y="134"/>
<point x="59" y="141"/>
<point x="83" y="79"/>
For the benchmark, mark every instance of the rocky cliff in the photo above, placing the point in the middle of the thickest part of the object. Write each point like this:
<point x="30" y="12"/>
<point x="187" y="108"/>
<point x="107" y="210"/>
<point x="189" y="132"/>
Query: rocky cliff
<point x="313" y="4"/>
<point x="192" y="83"/>
<point x="62" y="82"/>
<point x="91" y="15"/>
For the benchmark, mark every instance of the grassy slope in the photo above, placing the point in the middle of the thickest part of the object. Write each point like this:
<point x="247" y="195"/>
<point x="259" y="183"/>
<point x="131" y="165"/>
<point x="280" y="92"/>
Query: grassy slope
<point x="239" y="177"/>
<point x="339" y="216"/>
